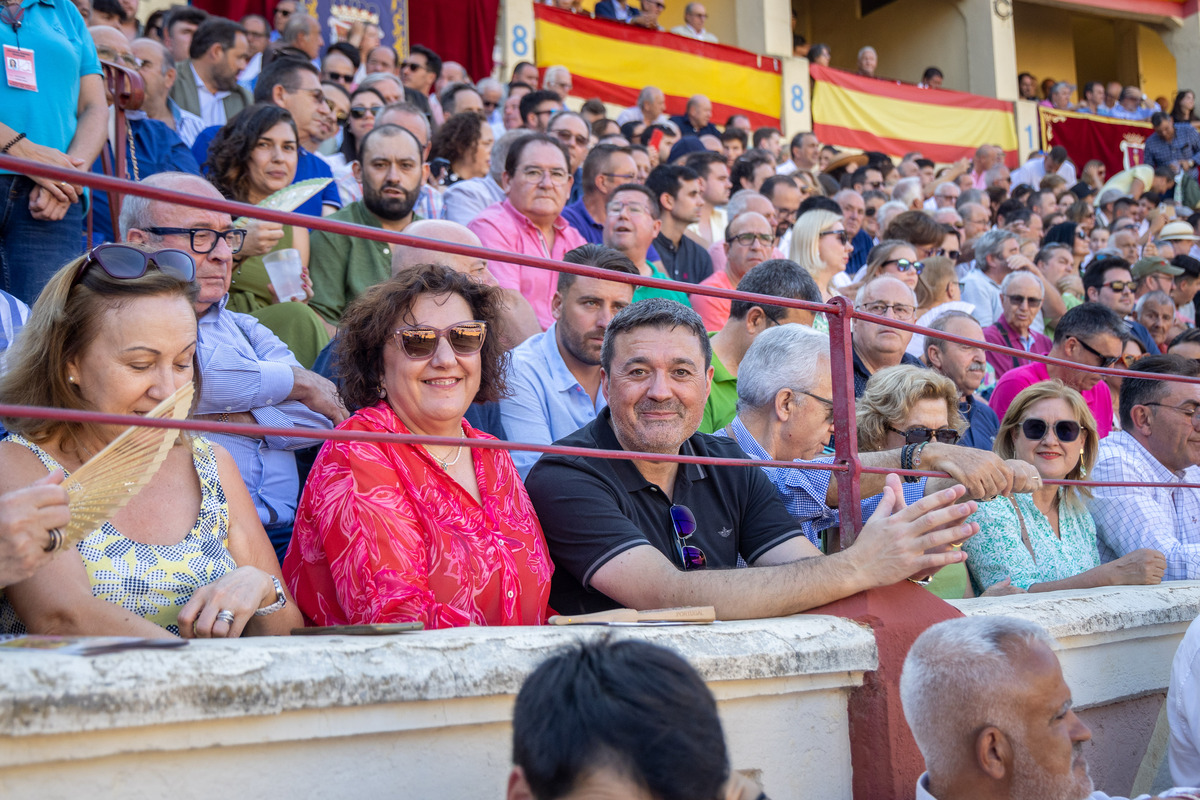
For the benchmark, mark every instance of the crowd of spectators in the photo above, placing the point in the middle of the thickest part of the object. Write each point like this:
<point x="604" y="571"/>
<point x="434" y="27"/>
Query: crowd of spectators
<point x="397" y="339"/>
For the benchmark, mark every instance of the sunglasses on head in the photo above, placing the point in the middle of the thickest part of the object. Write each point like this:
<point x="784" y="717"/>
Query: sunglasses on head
<point x="1065" y="430"/>
<point x="684" y="524"/>
<point x="421" y="341"/>
<point x="123" y="262"/>
<point x="359" y="112"/>
<point x="918" y="435"/>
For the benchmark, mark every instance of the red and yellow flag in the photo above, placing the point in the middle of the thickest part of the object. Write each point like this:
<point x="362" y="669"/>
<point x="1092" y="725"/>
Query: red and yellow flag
<point x="872" y="114"/>
<point x="613" y="61"/>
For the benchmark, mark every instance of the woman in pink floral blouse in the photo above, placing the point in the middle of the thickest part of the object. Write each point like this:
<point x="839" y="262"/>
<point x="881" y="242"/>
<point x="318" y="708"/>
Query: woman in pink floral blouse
<point x="400" y="533"/>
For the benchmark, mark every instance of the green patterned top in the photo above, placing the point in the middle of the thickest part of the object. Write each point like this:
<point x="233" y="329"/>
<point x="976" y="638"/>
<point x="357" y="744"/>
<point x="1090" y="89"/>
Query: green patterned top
<point x="152" y="581"/>
<point x="996" y="552"/>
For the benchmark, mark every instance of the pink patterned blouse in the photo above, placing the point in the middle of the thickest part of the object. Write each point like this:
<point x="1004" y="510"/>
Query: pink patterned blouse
<point x="383" y="534"/>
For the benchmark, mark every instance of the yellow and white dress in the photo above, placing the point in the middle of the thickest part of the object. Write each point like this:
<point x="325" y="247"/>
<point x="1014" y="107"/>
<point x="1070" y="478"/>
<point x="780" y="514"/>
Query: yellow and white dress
<point x="152" y="581"/>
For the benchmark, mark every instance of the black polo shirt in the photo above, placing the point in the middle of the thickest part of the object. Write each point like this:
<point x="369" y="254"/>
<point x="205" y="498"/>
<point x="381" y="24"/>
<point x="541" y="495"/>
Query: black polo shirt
<point x="862" y="374"/>
<point x="689" y="262"/>
<point x="593" y="509"/>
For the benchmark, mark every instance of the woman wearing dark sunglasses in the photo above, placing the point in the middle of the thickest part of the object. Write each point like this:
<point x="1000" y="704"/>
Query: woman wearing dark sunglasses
<point x="891" y="257"/>
<point x="1047" y="540"/>
<point x="442" y="534"/>
<point x="115" y="332"/>
<point x="910" y="407"/>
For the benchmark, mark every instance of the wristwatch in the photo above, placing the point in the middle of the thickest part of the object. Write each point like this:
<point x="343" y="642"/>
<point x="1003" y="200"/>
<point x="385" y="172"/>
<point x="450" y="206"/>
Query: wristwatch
<point x="280" y="600"/>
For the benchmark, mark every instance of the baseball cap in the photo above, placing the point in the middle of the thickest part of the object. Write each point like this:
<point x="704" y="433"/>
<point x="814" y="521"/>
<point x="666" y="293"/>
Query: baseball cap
<point x="1149" y="266"/>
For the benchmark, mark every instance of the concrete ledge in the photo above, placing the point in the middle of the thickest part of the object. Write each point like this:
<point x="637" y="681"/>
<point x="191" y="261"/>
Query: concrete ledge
<point x="44" y="693"/>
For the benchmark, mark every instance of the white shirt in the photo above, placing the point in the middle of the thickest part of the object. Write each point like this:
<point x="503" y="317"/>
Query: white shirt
<point x="212" y="110"/>
<point x="692" y="33"/>
<point x="253" y="68"/>
<point x="1033" y="170"/>
<point x="984" y="293"/>
<point x="634" y="114"/>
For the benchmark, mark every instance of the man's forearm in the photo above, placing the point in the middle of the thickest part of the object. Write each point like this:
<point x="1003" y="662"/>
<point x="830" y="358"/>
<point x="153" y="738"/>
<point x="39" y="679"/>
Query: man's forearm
<point x="870" y="483"/>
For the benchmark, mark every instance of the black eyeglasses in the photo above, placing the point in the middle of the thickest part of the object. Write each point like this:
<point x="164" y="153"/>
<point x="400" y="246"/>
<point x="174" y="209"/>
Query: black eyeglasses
<point x="684" y="524"/>
<point x="904" y="265"/>
<point x="358" y="112"/>
<point x="918" y="435"/>
<point x="950" y="254"/>
<point x="340" y="77"/>
<point x="566" y="137"/>
<point x="204" y="240"/>
<point x="279" y="12"/>
<point x="748" y="239"/>
<point x="420" y="342"/>
<point x="842" y="236"/>
<point x="1105" y="361"/>
<point x="1065" y="430"/>
<point x="123" y="262"/>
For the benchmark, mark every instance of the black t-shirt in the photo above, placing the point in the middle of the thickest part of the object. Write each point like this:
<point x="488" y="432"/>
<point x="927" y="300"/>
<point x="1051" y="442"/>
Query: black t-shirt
<point x="593" y="509"/>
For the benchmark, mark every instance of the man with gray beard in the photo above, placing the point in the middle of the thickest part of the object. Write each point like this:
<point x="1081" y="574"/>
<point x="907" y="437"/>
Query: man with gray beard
<point x="986" y="701"/>
<point x="392" y="170"/>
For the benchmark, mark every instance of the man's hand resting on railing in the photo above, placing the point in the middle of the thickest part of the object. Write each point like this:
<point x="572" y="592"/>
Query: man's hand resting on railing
<point x="984" y="474"/>
<point x="319" y="394"/>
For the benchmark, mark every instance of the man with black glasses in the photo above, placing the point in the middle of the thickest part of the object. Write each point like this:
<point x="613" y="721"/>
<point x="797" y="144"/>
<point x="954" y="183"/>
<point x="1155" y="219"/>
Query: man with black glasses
<point x="1159" y="442"/>
<point x="250" y="376"/>
<point x="1089" y="335"/>
<point x="652" y="534"/>
<point x="1109" y="282"/>
<point x="877" y="346"/>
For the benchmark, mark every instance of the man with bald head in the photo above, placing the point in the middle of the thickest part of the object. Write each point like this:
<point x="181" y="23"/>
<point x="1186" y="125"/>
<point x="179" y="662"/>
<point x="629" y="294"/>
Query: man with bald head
<point x="249" y="374"/>
<point x="697" y="119"/>
<point x="878" y="346"/>
<point x="649" y="109"/>
<point x="155" y="145"/>
<point x="440" y="230"/>
<point x="392" y="171"/>
<point x="749" y="240"/>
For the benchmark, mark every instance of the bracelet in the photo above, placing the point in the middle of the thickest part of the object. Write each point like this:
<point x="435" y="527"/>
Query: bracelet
<point x="9" y="146"/>
<point x="223" y="417"/>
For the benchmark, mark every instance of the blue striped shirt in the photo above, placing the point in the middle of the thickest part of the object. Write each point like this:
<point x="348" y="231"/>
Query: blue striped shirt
<point x="13" y="314"/>
<point x="245" y="367"/>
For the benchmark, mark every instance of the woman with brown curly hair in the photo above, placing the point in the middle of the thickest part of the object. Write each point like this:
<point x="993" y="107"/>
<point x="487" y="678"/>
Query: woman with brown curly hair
<point x="397" y="533"/>
<point x="251" y="158"/>
<point x="465" y="140"/>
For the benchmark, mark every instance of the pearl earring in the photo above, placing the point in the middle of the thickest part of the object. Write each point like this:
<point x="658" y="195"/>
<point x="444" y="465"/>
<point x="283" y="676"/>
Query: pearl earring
<point x="71" y="378"/>
<point x="382" y="392"/>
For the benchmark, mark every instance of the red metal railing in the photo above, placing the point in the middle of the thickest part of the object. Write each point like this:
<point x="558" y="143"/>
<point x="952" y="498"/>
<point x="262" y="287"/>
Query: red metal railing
<point x="839" y="312"/>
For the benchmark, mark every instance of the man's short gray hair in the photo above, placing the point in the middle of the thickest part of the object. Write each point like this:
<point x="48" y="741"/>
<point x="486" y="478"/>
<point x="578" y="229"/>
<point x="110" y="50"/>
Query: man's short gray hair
<point x="960" y="676"/>
<point x="500" y="150"/>
<point x="948" y="216"/>
<point x="739" y="203"/>
<point x="865" y="50"/>
<point x="654" y="312"/>
<point x="298" y="23"/>
<point x="907" y="191"/>
<point x="555" y="72"/>
<point x="941" y="187"/>
<point x="138" y="212"/>
<point x="486" y="83"/>
<point x="1157" y="296"/>
<point x="783" y="357"/>
<point x="990" y="244"/>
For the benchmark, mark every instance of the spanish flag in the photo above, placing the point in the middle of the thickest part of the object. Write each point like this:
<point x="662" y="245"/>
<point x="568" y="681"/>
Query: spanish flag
<point x="874" y="114"/>
<point x="613" y="61"/>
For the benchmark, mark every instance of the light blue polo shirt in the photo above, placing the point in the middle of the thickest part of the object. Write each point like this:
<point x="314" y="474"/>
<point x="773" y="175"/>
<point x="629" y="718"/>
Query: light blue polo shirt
<point x="545" y="402"/>
<point x="63" y="52"/>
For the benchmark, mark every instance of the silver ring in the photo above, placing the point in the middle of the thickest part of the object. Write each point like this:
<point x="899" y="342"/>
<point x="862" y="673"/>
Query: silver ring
<point x="225" y="615"/>
<point x="56" y="541"/>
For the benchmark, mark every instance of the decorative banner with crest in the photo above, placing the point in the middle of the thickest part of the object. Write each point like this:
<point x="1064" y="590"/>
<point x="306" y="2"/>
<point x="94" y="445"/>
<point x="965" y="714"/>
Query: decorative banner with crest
<point x="390" y="16"/>
<point x="1119" y="143"/>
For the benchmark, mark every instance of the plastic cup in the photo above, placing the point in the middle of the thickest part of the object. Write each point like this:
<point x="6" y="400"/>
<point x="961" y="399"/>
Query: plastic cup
<point x="283" y="268"/>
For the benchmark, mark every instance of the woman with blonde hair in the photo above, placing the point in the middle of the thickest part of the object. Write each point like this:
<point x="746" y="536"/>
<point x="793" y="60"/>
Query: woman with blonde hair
<point x="909" y="407"/>
<point x="115" y="331"/>
<point x="892" y="257"/>
<point x="821" y="245"/>
<point x="1047" y="540"/>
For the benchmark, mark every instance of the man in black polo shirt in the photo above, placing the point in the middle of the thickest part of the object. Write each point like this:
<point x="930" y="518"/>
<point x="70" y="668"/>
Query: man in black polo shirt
<point x="681" y="199"/>
<point x="614" y="527"/>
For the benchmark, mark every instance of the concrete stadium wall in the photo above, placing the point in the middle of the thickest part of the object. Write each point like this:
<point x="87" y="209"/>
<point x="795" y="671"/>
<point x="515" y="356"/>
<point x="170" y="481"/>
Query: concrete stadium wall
<point x="428" y="715"/>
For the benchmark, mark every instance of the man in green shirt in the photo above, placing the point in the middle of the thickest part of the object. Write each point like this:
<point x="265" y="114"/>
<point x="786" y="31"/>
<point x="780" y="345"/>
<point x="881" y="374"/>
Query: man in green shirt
<point x="777" y="277"/>
<point x="392" y="170"/>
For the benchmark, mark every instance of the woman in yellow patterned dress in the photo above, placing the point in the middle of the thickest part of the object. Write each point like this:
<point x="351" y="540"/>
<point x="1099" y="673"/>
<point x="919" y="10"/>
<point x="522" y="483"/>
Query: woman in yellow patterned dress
<point x="115" y="331"/>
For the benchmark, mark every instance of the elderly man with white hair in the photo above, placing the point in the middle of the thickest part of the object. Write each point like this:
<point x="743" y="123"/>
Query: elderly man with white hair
<point x="908" y="191"/>
<point x="1020" y="299"/>
<point x="557" y="79"/>
<point x="944" y="196"/>
<point x="651" y="104"/>
<point x="986" y="701"/>
<point x="784" y="413"/>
